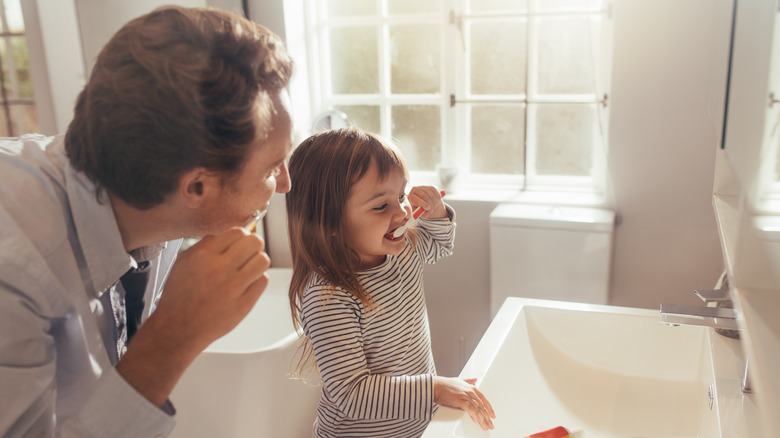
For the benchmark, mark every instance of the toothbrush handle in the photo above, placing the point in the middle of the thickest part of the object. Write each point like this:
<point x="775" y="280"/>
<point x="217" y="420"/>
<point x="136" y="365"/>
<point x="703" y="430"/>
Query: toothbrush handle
<point x="419" y="210"/>
<point x="415" y="215"/>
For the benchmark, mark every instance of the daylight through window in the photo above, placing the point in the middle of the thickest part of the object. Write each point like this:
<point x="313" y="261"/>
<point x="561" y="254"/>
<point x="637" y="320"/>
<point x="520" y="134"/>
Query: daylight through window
<point x="509" y="92"/>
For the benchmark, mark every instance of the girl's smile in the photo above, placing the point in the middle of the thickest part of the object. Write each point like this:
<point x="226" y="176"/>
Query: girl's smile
<point x="375" y="208"/>
<point x="389" y="236"/>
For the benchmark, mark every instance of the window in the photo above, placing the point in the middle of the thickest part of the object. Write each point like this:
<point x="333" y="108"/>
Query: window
<point x="767" y="197"/>
<point x="17" y="107"/>
<point x="510" y="92"/>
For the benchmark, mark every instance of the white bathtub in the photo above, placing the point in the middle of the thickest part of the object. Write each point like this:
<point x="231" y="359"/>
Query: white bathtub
<point x="239" y="386"/>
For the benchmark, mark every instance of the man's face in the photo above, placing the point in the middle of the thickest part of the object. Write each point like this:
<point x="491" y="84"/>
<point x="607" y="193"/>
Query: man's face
<point x="264" y="173"/>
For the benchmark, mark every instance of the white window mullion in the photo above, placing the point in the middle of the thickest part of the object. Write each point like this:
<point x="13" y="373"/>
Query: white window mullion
<point x="454" y="128"/>
<point x="532" y="83"/>
<point x="384" y="71"/>
<point x="449" y="136"/>
<point x="322" y="84"/>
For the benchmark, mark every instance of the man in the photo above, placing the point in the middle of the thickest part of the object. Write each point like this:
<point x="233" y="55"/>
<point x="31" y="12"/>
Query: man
<point x="182" y="130"/>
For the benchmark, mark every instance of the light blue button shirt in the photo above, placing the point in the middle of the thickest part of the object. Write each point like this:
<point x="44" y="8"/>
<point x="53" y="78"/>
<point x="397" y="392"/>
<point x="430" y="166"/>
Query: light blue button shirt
<point x="60" y="252"/>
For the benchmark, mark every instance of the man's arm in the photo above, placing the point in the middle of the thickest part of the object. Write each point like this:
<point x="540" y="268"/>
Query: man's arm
<point x="210" y="289"/>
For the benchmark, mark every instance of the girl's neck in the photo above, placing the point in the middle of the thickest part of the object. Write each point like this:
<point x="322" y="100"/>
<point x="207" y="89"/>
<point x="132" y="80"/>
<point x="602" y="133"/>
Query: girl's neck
<point x="370" y="264"/>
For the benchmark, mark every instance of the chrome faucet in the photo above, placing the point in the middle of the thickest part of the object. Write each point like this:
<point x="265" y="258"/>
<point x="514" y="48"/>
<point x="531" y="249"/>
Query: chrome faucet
<point x="721" y="316"/>
<point x="718" y="314"/>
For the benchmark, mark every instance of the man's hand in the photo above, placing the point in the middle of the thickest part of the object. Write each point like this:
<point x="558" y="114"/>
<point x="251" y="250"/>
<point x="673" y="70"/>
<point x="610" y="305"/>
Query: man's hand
<point x="210" y="289"/>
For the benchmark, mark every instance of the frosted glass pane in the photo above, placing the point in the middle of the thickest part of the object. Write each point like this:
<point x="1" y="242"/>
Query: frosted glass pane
<point x="365" y="117"/>
<point x="497" y="138"/>
<point x="417" y="131"/>
<point x="498" y="5"/>
<point x="498" y="57"/>
<point x="13" y="16"/>
<point x="354" y="60"/>
<point x="412" y="6"/>
<point x="568" y="5"/>
<point x="415" y="59"/>
<point x="350" y="8"/>
<point x="564" y="139"/>
<point x="777" y="159"/>
<point x="566" y="59"/>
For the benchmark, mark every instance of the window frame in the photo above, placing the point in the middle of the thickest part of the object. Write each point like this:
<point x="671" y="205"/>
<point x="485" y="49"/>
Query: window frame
<point x="14" y="105"/>
<point x="455" y="124"/>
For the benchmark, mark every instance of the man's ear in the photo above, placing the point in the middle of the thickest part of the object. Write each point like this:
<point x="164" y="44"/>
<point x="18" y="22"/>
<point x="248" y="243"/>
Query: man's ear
<point x="195" y="185"/>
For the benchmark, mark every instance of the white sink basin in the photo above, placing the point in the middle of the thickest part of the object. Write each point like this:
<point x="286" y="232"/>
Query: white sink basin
<point x="607" y="371"/>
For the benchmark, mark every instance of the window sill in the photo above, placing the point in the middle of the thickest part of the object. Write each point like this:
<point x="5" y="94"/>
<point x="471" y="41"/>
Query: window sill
<point x="539" y="196"/>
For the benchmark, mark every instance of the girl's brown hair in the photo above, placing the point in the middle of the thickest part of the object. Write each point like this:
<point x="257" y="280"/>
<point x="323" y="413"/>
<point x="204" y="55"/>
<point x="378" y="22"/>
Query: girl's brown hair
<point x="323" y="170"/>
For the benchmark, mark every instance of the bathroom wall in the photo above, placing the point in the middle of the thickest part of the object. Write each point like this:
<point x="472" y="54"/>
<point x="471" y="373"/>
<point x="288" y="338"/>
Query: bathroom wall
<point x="668" y="83"/>
<point x="666" y="103"/>
<point x="666" y="107"/>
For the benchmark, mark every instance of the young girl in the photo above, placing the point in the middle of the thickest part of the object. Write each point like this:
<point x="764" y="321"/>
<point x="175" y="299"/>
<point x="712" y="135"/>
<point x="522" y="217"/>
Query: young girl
<point x="357" y="292"/>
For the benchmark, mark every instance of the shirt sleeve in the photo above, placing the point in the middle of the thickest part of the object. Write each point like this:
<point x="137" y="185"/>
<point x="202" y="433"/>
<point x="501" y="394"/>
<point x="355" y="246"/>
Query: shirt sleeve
<point x="332" y="322"/>
<point x="436" y="237"/>
<point x="116" y="409"/>
<point x="27" y="368"/>
<point x="29" y="376"/>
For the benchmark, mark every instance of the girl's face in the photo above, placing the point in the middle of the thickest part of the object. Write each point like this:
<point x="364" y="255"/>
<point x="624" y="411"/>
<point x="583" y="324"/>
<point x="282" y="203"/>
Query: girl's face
<point x="374" y="208"/>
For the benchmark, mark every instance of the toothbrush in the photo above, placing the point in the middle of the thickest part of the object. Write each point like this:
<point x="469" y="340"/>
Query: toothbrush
<point x="256" y="217"/>
<point x="415" y="215"/>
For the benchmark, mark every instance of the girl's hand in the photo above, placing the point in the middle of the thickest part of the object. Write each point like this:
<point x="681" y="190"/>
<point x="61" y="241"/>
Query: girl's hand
<point x="429" y="198"/>
<point x="462" y="394"/>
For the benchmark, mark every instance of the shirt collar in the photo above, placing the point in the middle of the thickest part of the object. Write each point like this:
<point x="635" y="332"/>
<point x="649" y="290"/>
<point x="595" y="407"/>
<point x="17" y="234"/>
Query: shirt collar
<point x="98" y="233"/>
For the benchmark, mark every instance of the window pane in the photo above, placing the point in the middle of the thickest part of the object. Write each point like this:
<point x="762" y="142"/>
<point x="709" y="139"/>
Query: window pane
<point x="417" y="131"/>
<point x="354" y="60"/>
<point x="350" y="8"/>
<point x="498" y="5"/>
<point x="567" y="59"/>
<point x="18" y="84"/>
<point x="416" y="60"/>
<point x="564" y="139"/>
<point x="412" y="6"/>
<point x="21" y="118"/>
<point x="497" y="138"/>
<point x="568" y="5"/>
<point x="498" y="57"/>
<point x="777" y="165"/>
<point x="26" y="119"/>
<point x="13" y="14"/>
<point x="365" y="117"/>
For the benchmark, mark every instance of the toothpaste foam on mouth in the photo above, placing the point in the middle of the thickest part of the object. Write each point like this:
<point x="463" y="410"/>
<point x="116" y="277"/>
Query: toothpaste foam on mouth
<point x="389" y="236"/>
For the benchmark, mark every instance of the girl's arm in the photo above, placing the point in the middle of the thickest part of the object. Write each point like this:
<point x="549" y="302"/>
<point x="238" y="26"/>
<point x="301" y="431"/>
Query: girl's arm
<point x="436" y="236"/>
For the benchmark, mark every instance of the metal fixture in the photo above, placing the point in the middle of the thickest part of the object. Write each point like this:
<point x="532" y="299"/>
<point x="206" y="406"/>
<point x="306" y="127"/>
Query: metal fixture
<point x="715" y="317"/>
<point x="773" y="100"/>
<point x="718" y="314"/>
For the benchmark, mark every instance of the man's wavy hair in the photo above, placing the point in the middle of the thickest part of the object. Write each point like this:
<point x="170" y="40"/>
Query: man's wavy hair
<point x="174" y="90"/>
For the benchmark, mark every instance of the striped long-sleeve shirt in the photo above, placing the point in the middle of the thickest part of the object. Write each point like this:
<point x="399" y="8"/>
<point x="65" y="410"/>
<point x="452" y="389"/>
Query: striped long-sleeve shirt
<point x="376" y="365"/>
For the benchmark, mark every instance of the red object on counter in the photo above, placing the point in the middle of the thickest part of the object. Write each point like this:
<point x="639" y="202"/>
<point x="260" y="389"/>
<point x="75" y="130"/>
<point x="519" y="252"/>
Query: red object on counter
<point x="555" y="432"/>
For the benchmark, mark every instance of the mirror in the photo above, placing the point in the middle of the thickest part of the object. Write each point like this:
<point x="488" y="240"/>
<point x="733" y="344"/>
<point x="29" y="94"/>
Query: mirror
<point x="747" y="192"/>
<point x="767" y="191"/>
<point x="748" y="86"/>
